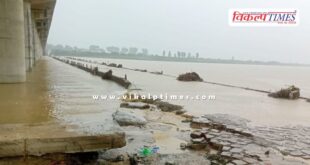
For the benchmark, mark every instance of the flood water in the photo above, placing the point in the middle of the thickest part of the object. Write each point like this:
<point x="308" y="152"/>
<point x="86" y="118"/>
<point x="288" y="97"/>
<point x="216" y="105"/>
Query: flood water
<point x="60" y="96"/>
<point x="256" y="107"/>
<point x="265" y="77"/>
<point x="59" y="93"/>
<point x="55" y="91"/>
<point x="27" y="102"/>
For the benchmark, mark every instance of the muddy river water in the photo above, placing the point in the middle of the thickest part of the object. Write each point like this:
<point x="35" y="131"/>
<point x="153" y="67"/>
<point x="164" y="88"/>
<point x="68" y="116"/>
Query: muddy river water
<point x="257" y="107"/>
<point x="49" y="95"/>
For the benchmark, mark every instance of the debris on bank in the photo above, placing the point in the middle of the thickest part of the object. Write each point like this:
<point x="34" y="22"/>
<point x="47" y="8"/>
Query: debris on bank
<point x="126" y="118"/>
<point x="140" y="70"/>
<point x="159" y="73"/>
<point x="167" y="107"/>
<point x="135" y="105"/>
<point x="112" y="65"/>
<point x="190" y="76"/>
<point x="132" y="101"/>
<point x="291" y="92"/>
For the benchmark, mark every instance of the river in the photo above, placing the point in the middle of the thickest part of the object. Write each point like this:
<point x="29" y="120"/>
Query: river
<point x="254" y="106"/>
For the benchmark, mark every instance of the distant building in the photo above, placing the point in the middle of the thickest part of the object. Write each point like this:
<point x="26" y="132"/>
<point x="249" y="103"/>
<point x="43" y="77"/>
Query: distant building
<point x="145" y="52"/>
<point x="95" y="49"/>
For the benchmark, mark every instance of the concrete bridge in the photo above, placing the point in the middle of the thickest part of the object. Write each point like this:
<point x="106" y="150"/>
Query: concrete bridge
<point x="24" y="28"/>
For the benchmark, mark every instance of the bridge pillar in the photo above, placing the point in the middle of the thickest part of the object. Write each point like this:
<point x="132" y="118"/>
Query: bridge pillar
<point x="29" y="36"/>
<point x="12" y="42"/>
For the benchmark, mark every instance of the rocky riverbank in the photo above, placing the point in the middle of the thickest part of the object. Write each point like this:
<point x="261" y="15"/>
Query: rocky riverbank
<point x="148" y="126"/>
<point x="209" y="139"/>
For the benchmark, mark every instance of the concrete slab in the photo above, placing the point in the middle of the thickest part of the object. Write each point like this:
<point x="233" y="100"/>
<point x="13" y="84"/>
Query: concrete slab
<point x="47" y="138"/>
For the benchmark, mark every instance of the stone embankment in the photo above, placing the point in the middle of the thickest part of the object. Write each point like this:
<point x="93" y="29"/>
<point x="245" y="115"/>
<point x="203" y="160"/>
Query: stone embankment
<point x="228" y="139"/>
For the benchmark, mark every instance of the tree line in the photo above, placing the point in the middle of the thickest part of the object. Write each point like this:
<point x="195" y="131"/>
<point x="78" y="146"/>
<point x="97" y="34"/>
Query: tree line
<point x="114" y="50"/>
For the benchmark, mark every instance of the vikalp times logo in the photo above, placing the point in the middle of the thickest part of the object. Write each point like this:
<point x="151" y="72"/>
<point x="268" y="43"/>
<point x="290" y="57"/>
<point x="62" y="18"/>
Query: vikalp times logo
<point x="263" y="17"/>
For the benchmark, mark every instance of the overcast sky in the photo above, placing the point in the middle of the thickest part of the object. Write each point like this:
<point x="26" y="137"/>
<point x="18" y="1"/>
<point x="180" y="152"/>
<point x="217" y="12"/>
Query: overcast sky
<point x="184" y="25"/>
